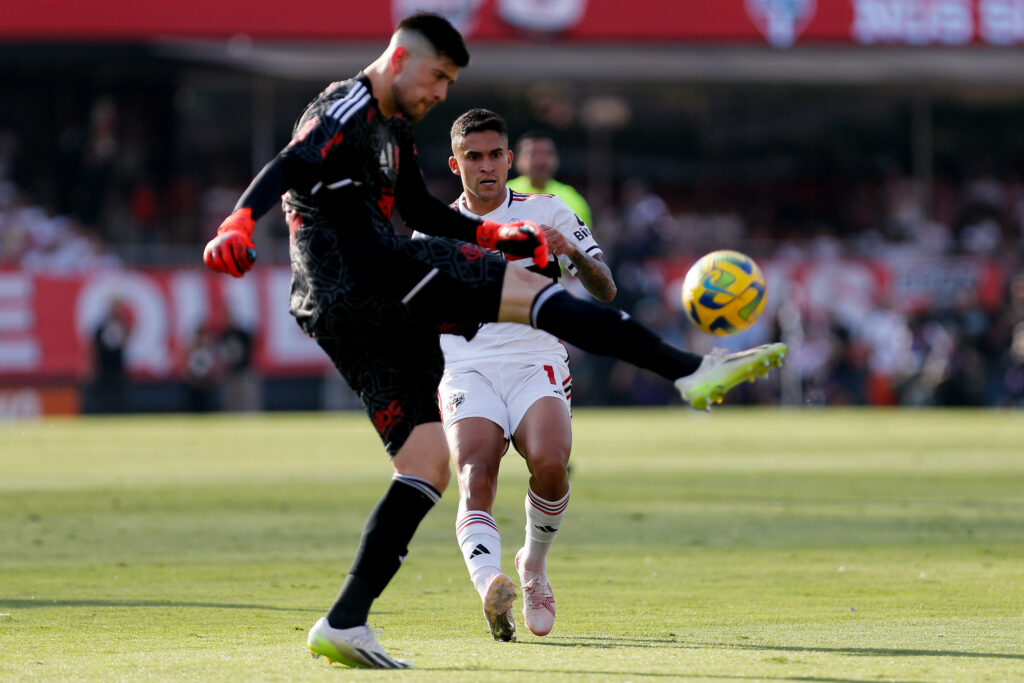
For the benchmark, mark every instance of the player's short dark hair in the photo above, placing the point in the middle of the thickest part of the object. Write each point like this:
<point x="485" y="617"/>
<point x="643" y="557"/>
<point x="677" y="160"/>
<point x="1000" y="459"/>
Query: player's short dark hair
<point x="476" y="120"/>
<point x="444" y="37"/>
<point x="534" y="134"/>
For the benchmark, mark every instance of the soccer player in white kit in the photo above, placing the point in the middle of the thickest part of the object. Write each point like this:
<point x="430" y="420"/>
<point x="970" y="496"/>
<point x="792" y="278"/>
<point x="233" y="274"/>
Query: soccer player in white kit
<point x="511" y="383"/>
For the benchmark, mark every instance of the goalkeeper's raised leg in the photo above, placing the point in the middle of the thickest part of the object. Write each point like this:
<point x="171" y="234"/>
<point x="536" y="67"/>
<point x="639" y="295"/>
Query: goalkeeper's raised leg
<point x="604" y="330"/>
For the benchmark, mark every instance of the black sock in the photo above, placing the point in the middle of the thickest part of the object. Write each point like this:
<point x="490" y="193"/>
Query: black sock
<point x="382" y="548"/>
<point x="607" y="331"/>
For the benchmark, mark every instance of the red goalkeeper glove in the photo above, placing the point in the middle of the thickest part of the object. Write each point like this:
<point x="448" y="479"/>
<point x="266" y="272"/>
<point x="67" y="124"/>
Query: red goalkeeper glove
<point x="522" y="238"/>
<point x="232" y="250"/>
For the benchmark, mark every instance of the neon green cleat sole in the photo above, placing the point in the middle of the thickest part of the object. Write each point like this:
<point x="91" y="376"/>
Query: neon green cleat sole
<point x="323" y="649"/>
<point x="720" y="372"/>
<point x="355" y="647"/>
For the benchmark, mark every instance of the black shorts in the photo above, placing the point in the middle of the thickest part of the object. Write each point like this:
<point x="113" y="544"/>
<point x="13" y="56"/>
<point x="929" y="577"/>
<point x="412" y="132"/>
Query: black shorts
<point x="382" y="332"/>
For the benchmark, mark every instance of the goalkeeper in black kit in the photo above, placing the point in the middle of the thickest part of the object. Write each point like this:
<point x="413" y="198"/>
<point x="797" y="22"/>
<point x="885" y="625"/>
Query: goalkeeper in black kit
<point x="376" y="301"/>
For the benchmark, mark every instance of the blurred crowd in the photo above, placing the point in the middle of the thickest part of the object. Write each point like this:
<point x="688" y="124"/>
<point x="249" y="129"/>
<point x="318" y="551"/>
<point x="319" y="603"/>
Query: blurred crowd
<point x="864" y="348"/>
<point x="36" y="237"/>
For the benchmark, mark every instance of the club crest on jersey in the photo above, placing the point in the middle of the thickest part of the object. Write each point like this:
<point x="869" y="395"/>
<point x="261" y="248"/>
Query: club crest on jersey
<point x="387" y="159"/>
<point x="454" y="401"/>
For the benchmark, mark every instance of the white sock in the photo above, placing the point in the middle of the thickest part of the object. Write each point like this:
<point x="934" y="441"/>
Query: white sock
<point x="543" y="517"/>
<point x="480" y="543"/>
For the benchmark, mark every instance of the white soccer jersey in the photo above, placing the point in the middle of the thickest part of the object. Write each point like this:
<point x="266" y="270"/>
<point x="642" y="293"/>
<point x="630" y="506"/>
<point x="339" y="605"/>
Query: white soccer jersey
<point x="504" y="340"/>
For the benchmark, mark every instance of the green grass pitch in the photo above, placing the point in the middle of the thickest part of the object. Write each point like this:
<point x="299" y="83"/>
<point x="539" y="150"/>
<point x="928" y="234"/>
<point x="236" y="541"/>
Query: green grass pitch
<point x="741" y="545"/>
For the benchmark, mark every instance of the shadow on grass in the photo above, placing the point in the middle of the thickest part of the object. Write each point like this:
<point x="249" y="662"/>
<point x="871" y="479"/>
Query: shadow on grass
<point x="583" y="673"/>
<point x="874" y="651"/>
<point x="42" y="602"/>
<point x="623" y="641"/>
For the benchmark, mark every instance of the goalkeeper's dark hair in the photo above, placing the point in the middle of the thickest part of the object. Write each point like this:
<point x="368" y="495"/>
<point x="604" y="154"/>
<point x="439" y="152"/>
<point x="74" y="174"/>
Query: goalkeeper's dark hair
<point x="445" y="38"/>
<point x="475" y="121"/>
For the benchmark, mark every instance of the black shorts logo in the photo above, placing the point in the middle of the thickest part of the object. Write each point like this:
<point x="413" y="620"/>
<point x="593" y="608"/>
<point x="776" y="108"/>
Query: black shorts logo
<point x="386" y="420"/>
<point x="472" y="252"/>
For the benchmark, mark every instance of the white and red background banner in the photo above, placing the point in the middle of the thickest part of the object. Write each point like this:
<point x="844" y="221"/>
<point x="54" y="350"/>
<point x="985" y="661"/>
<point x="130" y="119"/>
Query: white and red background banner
<point x="47" y="322"/>
<point x="781" y="23"/>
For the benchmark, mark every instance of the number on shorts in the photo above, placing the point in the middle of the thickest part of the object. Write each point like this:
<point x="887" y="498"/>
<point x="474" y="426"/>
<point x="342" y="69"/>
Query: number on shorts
<point x="551" y="374"/>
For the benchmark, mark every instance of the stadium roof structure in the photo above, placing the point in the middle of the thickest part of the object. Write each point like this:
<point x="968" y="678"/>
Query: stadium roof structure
<point x="833" y="65"/>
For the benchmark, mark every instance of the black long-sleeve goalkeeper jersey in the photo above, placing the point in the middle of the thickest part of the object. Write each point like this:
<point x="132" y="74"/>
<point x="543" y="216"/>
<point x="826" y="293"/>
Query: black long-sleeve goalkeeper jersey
<point x="344" y="170"/>
<point x="343" y="151"/>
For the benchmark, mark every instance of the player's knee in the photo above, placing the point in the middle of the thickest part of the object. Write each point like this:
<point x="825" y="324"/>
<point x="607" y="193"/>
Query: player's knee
<point x="478" y="481"/>
<point x="550" y="464"/>
<point x="478" y="474"/>
<point x="441" y="474"/>
<point x="437" y="473"/>
<point x="424" y="456"/>
<point x="442" y="469"/>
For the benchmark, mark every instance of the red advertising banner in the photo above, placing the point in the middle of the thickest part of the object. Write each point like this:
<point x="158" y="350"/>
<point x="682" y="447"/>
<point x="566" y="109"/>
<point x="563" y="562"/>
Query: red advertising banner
<point x="47" y="323"/>
<point x="780" y="23"/>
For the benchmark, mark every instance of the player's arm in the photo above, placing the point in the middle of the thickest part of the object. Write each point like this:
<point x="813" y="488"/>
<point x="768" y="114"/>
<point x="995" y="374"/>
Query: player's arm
<point x="426" y="213"/>
<point x="590" y="269"/>
<point x="232" y="251"/>
<point x="429" y="215"/>
<point x="421" y="210"/>
<point x="596" y="277"/>
<point x="573" y="241"/>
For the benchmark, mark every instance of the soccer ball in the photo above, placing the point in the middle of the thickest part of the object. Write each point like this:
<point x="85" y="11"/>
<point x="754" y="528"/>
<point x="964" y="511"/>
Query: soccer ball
<point x="723" y="292"/>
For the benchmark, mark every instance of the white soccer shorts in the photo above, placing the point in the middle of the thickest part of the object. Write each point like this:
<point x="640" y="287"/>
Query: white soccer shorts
<point x="501" y="391"/>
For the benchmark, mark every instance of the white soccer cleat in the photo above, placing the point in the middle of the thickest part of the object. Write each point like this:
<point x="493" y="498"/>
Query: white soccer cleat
<point x="720" y="371"/>
<point x="498" y="598"/>
<point x="356" y="646"/>
<point x="538" y="600"/>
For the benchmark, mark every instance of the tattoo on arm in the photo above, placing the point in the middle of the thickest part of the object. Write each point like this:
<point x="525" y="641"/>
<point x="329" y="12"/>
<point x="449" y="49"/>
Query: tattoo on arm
<point x="595" y="275"/>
